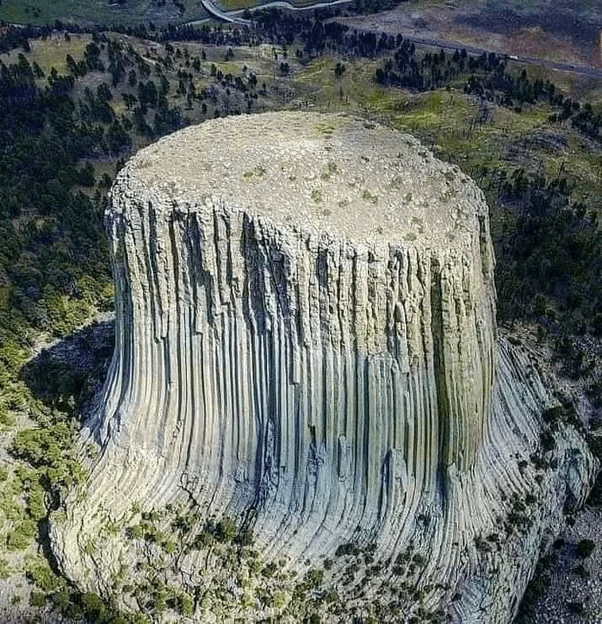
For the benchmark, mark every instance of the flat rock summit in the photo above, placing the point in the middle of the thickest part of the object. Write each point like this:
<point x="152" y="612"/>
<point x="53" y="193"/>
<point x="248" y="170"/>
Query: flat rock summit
<point x="348" y="178"/>
<point x="309" y="411"/>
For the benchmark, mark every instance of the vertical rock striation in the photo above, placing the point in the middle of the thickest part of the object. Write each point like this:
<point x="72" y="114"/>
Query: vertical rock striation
<point x="305" y="340"/>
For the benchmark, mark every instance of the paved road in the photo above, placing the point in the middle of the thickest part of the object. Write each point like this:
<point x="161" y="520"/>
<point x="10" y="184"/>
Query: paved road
<point x="233" y="16"/>
<point x="226" y="16"/>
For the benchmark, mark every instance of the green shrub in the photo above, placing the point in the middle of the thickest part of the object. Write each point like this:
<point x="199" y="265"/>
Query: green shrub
<point x="270" y="569"/>
<point x="226" y="529"/>
<point x="22" y="535"/>
<point x="547" y="441"/>
<point x="585" y="548"/>
<point x="42" y="576"/>
<point x="37" y="599"/>
<point x="314" y="577"/>
<point x="135" y="532"/>
<point x="347" y="549"/>
<point x="5" y="570"/>
<point x="93" y="607"/>
<point x="183" y="604"/>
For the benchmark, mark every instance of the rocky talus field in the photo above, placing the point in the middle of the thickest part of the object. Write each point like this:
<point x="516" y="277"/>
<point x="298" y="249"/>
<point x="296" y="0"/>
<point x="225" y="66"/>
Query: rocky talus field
<point x="309" y="410"/>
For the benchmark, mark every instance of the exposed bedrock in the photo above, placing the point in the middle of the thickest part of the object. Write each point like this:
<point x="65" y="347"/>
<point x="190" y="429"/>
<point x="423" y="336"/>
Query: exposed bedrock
<point x="306" y="342"/>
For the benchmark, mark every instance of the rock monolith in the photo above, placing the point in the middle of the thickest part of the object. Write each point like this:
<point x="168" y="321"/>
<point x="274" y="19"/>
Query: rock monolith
<point x="306" y="343"/>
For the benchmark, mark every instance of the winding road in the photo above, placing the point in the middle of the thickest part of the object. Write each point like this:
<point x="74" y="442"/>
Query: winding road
<point x="233" y="16"/>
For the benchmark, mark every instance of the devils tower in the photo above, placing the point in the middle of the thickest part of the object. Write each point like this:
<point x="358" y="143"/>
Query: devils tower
<point x="306" y="344"/>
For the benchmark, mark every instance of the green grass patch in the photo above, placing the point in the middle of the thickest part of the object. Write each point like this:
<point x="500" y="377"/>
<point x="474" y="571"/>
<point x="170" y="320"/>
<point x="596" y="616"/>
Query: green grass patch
<point x="53" y="52"/>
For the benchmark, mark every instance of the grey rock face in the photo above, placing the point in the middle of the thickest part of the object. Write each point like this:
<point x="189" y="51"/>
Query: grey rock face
<point x="306" y="336"/>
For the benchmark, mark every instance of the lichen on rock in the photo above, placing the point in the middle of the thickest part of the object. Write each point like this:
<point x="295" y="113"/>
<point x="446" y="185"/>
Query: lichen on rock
<point x="306" y="342"/>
